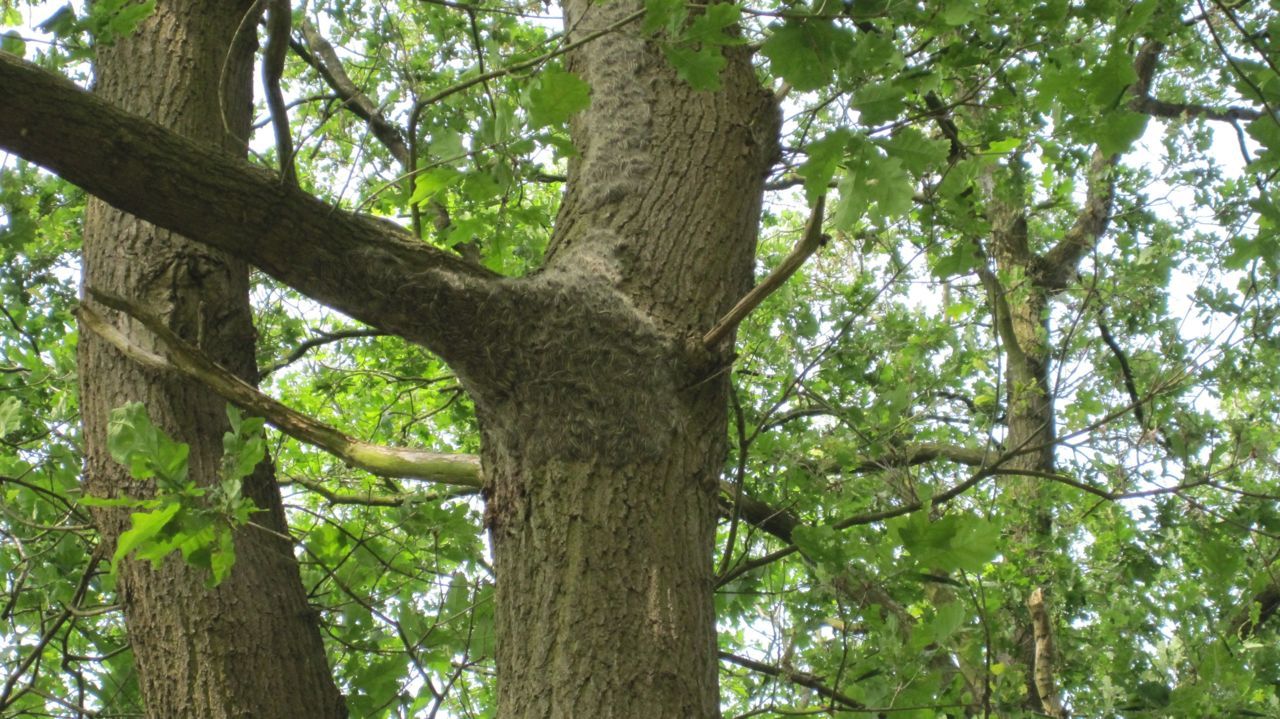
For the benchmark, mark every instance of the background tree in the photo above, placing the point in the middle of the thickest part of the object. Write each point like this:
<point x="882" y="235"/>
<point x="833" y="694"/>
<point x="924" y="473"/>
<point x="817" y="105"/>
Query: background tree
<point x="1002" y="445"/>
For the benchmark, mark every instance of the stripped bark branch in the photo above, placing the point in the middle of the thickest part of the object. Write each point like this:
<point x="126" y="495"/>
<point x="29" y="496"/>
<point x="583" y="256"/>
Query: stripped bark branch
<point x="1043" y="629"/>
<point x="451" y="469"/>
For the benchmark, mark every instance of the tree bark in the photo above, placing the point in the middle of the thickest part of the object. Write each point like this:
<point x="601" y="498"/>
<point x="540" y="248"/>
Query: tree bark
<point x="602" y="414"/>
<point x="605" y="424"/>
<point x="251" y="647"/>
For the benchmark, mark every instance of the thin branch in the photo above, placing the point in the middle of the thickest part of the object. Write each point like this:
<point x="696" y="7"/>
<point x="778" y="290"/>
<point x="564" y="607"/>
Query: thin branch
<point x="1177" y="110"/>
<point x="319" y="54"/>
<point x="809" y="243"/>
<point x="1129" y="385"/>
<point x="451" y="469"/>
<point x="324" y="338"/>
<point x="778" y="522"/>
<point x="804" y="679"/>
<point x="372" y="499"/>
<point x="279" y="26"/>
<point x="1061" y="261"/>
<point x="527" y="64"/>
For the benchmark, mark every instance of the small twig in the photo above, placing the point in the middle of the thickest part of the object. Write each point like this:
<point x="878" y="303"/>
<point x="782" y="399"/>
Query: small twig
<point x="324" y="338"/>
<point x="527" y="64"/>
<point x="808" y="244"/>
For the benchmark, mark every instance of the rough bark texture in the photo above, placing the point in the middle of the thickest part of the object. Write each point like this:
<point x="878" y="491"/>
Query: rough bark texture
<point x="251" y="647"/>
<point x="603" y="417"/>
<point x="604" y="424"/>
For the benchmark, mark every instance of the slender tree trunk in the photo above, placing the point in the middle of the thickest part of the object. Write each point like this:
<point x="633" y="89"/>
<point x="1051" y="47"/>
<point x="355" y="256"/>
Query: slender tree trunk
<point x="604" y="419"/>
<point x="1022" y="308"/>
<point x="250" y="647"/>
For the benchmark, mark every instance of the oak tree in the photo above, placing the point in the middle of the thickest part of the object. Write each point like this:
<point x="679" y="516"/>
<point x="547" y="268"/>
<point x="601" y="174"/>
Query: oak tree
<point x="653" y="359"/>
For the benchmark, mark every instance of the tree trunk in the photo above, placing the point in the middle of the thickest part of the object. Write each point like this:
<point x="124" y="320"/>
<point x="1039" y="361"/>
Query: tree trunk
<point x="1022" y="308"/>
<point x="251" y="647"/>
<point x="603" y="417"/>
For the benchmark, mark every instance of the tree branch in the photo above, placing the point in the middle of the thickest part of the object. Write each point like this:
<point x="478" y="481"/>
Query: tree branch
<point x="1043" y="631"/>
<point x="324" y="338"/>
<point x="803" y="679"/>
<point x="279" y="26"/>
<point x="1061" y="261"/>
<point x="1176" y="110"/>
<point x="809" y="243"/>
<point x="371" y="499"/>
<point x="368" y="268"/>
<point x="319" y="54"/>
<point x="452" y="469"/>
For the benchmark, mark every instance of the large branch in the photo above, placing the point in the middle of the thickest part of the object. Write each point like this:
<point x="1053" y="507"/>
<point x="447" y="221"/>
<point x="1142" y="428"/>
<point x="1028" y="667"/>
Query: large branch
<point x="370" y="269"/>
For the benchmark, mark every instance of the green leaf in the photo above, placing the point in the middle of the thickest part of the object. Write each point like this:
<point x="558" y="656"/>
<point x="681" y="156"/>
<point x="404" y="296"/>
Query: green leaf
<point x="1107" y="83"/>
<point x="823" y="158"/>
<point x="875" y="186"/>
<point x="1008" y="144"/>
<point x="700" y="68"/>
<point x="12" y="43"/>
<point x="712" y="26"/>
<point x="879" y="102"/>
<point x="948" y="618"/>
<point x="555" y="96"/>
<point x="144" y="528"/>
<point x="959" y="12"/>
<point x="952" y="542"/>
<point x="222" y="559"/>
<point x="917" y="152"/>
<point x="10" y="415"/>
<point x="137" y="444"/>
<point x="127" y="19"/>
<point x="429" y="184"/>
<point x="666" y="15"/>
<point x="1118" y="130"/>
<point x="1136" y="17"/>
<point x="242" y="449"/>
<point x="806" y="53"/>
<point x="961" y="260"/>
<point x="447" y="147"/>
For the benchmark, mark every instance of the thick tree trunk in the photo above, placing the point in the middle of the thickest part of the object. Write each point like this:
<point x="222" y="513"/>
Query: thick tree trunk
<point x="604" y="419"/>
<point x="250" y="647"/>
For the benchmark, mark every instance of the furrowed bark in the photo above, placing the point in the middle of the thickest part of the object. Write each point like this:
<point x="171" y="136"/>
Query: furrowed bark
<point x="251" y="646"/>
<point x="603" y="462"/>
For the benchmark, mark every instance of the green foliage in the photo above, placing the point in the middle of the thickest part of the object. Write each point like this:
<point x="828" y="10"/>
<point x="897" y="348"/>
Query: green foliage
<point x="555" y="96"/>
<point x="197" y="521"/>
<point x="914" y="119"/>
